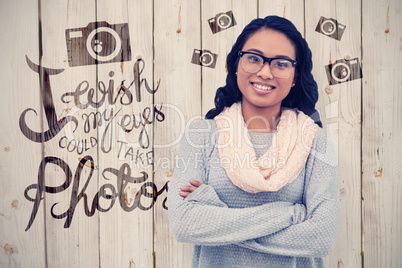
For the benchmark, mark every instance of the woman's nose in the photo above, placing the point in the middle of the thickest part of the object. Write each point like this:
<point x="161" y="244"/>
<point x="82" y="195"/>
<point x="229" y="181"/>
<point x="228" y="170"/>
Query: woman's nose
<point x="265" y="72"/>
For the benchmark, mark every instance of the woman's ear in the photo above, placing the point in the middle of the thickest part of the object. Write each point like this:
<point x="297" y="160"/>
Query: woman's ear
<point x="294" y="80"/>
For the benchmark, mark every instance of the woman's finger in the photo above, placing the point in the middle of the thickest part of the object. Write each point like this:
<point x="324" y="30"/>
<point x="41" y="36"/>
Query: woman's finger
<point x="184" y="194"/>
<point x="195" y="183"/>
<point x="188" y="188"/>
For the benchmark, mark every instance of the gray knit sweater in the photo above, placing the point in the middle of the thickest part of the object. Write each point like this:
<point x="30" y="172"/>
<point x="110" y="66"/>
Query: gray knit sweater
<point x="293" y="227"/>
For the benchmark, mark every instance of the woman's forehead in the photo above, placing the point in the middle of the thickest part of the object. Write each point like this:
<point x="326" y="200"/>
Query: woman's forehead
<point x="270" y="43"/>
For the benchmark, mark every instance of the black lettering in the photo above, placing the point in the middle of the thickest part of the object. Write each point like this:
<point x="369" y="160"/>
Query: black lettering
<point x="55" y="125"/>
<point x="41" y="188"/>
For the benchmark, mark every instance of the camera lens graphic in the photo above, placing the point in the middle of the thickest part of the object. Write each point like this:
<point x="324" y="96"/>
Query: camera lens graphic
<point x="101" y="38"/>
<point x="206" y="58"/>
<point x="340" y="72"/>
<point x="224" y="21"/>
<point x="328" y="27"/>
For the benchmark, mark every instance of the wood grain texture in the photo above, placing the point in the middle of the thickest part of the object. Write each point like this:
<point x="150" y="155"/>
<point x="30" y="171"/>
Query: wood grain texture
<point x="339" y="106"/>
<point x="293" y="10"/>
<point x="19" y="157"/>
<point x="70" y="242"/>
<point x="153" y="96"/>
<point x="126" y="234"/>
<point x="176" y="36"/>
<point x="382" y="128"/>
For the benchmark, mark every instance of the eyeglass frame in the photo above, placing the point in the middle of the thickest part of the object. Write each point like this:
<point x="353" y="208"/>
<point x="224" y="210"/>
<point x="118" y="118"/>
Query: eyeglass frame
<point x="265" y="59"/>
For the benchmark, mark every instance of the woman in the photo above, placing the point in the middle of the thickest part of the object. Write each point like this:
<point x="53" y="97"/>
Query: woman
<point x="256" y="183"/>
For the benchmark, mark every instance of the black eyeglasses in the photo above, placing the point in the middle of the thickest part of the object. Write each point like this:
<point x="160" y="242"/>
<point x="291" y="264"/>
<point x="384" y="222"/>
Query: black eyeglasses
<point x="280" y="67"/>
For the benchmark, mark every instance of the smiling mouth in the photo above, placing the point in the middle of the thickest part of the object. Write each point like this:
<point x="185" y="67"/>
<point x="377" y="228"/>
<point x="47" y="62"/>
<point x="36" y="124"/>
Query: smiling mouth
<point x="262" y="87"/>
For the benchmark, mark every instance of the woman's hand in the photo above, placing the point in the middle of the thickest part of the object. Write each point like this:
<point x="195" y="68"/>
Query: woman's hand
<point x="187" y="190"/>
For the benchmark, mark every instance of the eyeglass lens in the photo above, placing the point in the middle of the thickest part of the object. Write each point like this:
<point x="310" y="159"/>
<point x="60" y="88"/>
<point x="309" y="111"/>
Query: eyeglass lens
<point x="280" y="68"/>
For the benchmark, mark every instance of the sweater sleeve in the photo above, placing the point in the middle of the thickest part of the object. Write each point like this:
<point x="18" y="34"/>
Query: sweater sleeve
<point x="202" y="218"/>
<point x="314" y="236"/>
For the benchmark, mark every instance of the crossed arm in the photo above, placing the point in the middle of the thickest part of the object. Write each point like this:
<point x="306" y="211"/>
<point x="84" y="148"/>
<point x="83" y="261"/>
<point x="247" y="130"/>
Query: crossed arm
<point x="198" y="216"/>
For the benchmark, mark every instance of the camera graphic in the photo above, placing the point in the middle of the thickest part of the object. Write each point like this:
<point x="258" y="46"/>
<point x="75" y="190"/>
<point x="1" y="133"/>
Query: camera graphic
<point x="222" y="21"/>
<point x="330" y="27"/>
<point x="204" y="58"/>
<point x="98" y="42"/>
<point x="343" y="71"/>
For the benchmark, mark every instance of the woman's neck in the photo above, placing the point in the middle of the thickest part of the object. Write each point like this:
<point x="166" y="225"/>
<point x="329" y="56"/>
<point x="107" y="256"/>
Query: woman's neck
<point x="261" y="119"/>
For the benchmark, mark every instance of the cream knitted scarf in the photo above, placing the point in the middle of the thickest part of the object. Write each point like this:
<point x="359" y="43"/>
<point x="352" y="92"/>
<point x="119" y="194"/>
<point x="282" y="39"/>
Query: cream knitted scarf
<point x="281" y="163"/>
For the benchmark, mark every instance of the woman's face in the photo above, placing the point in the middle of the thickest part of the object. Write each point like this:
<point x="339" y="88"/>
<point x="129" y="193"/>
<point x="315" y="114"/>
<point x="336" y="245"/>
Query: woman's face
<point x="262" y="89"/>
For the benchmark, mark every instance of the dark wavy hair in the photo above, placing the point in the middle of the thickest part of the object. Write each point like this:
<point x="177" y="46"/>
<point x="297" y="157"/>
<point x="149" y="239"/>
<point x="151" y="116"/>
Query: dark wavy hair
<point x="303" y="95"/>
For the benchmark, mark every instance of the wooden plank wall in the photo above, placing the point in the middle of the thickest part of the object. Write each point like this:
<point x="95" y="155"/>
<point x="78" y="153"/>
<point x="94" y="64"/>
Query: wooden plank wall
<point x="340" y="109"/>
<point x="382" y="128"/>
<point x="94" y="194"/>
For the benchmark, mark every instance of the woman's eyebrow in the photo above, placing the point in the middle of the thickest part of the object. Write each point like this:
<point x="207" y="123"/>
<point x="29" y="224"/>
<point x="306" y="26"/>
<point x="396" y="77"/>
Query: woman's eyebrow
<point x="255" y="50"/>
<point x="260" y="52"/>
<point x="284" y="57"/>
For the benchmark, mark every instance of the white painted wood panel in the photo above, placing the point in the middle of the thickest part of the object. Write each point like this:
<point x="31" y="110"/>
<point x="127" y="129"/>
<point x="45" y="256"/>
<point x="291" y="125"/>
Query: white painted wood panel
<point x="71" y="236"/>
<point x="293" y="10"/>
<point x="179" y="100"/>
<point x="126" y="231"/>
<point x="339" y="106"/>
<point x="382" y="129"/>
<point x="19" y="157"/>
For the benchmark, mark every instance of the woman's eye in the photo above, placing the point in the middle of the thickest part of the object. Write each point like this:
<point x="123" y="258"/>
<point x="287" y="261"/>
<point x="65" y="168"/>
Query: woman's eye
<point x="282" y="64"/>
<point x="253" y="58"/>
